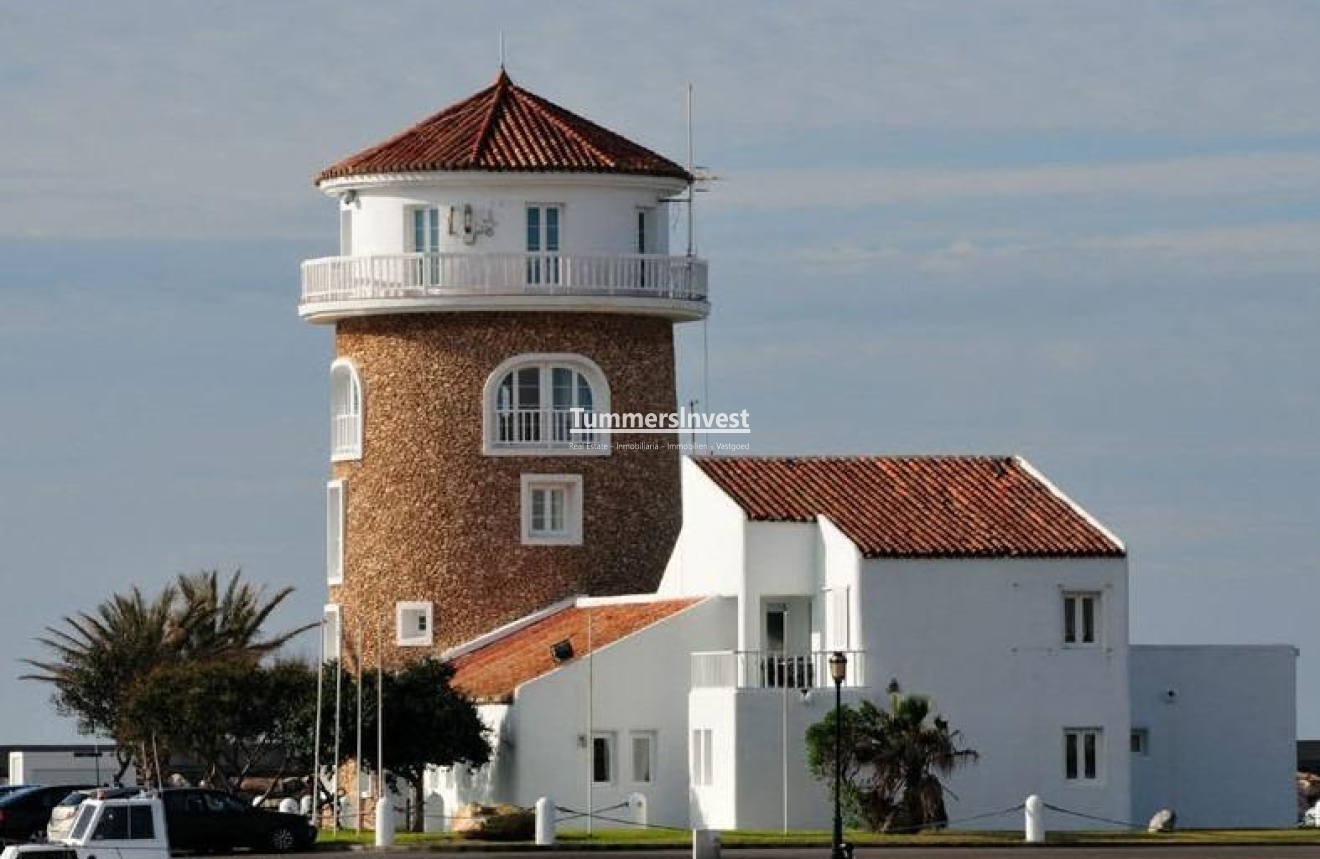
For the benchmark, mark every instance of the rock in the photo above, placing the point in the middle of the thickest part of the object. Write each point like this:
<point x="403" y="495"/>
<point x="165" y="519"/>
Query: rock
<point x="1165" y="820"/>
<point x="494" y="823"/>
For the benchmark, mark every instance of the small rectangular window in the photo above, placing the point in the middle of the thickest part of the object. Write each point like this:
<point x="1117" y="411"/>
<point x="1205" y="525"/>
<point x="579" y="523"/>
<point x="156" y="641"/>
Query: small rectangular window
<point x="1081" y="754"/>
<point x="331" y="633"/>
<point x="141" y="823"/>
<point x="602" y="758"/>
<point x="334" y="532"/>
<point x="1081" y="618"/>
<point x="345" y="232"/>
<point x="552" y="509"/>
<point x="1140" y="742"/>
<point x="113" y="825"/>
<point x="643" y="757"/>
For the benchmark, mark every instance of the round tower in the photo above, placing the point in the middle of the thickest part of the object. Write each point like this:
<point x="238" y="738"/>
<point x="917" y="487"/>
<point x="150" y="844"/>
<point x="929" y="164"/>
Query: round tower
<point x="503" y="264"/>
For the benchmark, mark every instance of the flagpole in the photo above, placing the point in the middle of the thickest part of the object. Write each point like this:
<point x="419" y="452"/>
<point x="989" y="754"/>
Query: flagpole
<point x="316" y="748"/>
<point x="357" y="761"/>
<point x="339" y="706"/>
<point x="380" y="711"/>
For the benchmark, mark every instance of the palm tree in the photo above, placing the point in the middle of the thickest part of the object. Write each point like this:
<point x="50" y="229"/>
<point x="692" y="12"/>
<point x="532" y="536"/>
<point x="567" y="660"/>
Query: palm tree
<point x="917" y="753"/>
<point x="895" y="761"/>
<point x="215" y="623"/>
<point x="96" y="658"/>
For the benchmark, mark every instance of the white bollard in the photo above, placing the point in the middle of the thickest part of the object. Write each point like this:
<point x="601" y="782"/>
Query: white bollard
<point x="384" y="822"/>
<point x="705" y="844"/>
<point x="1034" y="823"/>
<point x="545" y="822"/>
<point x="637" y="805"/>
<point x="434" y="819"/>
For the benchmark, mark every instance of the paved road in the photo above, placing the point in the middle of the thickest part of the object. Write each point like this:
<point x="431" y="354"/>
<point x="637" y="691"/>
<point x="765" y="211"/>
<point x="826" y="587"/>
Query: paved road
<point x="1171" y="851"/>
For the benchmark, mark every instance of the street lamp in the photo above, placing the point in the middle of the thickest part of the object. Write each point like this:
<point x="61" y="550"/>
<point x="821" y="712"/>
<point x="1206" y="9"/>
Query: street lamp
<point x="838" y="671"/>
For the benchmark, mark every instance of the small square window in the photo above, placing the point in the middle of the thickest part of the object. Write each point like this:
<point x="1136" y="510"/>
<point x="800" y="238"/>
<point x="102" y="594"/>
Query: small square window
<point x="413" y="622"/>
<point x="1082" y="751"/>
<point x="331" y="634"/>
<point x="1081" y="618"/>
<point x="552" y="509"/>
<point x="602" y="758"/>
<point x="1140" y="742"/>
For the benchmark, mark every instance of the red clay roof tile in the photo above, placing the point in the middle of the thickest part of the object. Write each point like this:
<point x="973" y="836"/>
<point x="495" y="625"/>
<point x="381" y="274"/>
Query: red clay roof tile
<point x="908" y="506"/>
<point x="491" y="672"/>
<point x="506" y="128"/>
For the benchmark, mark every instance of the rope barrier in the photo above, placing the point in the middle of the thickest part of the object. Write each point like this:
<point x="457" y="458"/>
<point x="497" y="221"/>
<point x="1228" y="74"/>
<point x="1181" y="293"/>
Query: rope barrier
<point x="594" y="816"/>
<point x="898" y="830"/>
<point x="1125" y="823"/>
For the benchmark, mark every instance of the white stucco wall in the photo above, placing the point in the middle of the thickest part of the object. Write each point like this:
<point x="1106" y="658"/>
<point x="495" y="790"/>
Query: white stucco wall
<point x="639" y="683"/>
<point x="1222" y="748"/>
<point x="984" y="639"/>
<point x="599" y="212"/>
<point x="708" y="557"/>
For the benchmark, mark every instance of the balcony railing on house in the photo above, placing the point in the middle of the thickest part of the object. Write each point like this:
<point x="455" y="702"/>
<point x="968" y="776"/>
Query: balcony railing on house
<point x="542" y="427"/>
<point x="430" y="276"/>
<point x="346" y="434"/>
<point x="761" y="669"/>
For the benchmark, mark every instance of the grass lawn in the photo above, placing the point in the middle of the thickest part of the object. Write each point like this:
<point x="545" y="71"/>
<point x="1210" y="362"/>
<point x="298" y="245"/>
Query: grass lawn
<point x="667" y="838"/>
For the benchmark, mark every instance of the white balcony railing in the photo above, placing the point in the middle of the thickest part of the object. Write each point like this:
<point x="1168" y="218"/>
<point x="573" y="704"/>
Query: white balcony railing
<point x="346" y="434"/>
<point x="442" y="275"/>
<point x="760" y="669"/>
<point x="544" y="427"/>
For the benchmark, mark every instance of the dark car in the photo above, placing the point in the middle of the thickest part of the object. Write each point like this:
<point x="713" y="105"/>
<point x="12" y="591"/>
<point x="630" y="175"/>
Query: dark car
<point x="24" y="813"/>
<point x="200" y="819"/>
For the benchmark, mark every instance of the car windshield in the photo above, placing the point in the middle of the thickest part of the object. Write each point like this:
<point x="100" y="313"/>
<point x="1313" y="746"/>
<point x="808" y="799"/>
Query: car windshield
<point x="18" y="794"/>
<point x="84" y="820"/>
<point x="74" y="799"/>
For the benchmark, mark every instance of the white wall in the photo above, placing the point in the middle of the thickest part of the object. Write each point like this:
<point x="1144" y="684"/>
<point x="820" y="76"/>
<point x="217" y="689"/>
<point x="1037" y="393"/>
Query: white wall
<point x="599" y="212"/>
<point x="640" y="683"/>
<point x="708" y="557"/>
<point x="1223" y="747"/>
<point x="984" y="639"/>
<point x="54" y="768"/>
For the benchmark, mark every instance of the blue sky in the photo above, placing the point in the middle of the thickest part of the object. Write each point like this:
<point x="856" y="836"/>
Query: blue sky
<point x="1086" y="232"/>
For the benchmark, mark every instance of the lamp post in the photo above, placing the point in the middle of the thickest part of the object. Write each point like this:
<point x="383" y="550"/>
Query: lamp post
<point x="838" y="671"/>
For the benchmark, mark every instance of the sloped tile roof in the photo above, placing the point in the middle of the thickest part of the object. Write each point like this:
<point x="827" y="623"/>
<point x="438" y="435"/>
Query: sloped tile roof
<point x="917" y="507"/>
<point x="506" y="128"/>
<point x="492" y="671"/>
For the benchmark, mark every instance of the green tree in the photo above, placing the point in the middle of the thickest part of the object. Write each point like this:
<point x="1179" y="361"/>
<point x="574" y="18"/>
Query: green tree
<point x="427" y="723"/>
<point x="96" y="658"/>
<point x="895" y="761"/>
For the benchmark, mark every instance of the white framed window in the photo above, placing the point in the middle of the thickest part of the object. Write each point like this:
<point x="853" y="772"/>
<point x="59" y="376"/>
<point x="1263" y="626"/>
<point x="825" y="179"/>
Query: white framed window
<point x="1139" y="742"/>
<point x="530" y="404"/>
<point x="331" y="634"/>
<point x="543" y="228"/>
<point x="602" y="758"/>
<point x="334" y="532"/>
<point x="413" y="623"/>
<point x="552" y="509"/>
<point x="345" y="411"/>
<point x="703" y="757"/>
<point x="423" y="229"/>
<point x="1081" y="618"/>
<point x="642" y="746"/>
<point x="1083" y="754"/>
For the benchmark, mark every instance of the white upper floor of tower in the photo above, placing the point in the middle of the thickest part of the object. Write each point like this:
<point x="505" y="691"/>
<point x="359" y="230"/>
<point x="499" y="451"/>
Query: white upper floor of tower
<point x="504" y="201"/>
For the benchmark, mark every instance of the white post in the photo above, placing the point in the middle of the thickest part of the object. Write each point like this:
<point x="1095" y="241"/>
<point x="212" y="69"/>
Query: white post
<point x="705" y="844"/>
<point x="1034" y="823"/>
<point x="384" y="822"/>
<point x="637" y="805"/>
<point x="545" y="822"/>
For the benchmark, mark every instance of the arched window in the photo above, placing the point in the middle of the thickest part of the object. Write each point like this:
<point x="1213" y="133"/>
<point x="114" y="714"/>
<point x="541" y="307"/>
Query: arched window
<point x="345" y="411"/>
<point x="531" y="402"/>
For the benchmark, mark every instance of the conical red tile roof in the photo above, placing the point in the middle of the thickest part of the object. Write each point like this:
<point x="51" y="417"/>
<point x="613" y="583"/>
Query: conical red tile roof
<point x="506" y="128"/>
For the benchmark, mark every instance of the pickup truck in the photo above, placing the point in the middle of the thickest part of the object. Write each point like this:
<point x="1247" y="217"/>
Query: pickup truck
<point x="127" y="828"/>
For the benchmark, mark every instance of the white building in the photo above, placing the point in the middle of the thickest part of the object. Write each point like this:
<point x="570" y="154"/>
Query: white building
<point x="970" y="579"/>
<point x="504" y="263"/>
